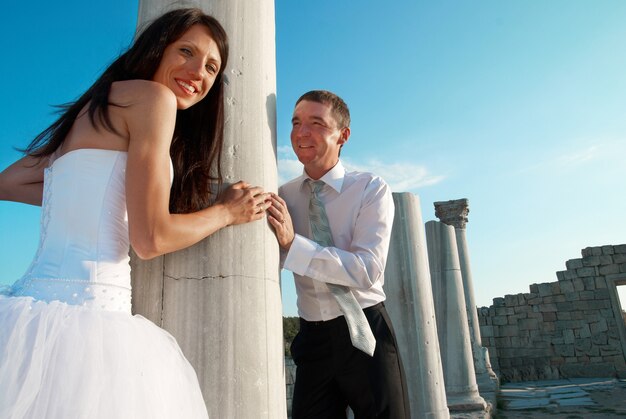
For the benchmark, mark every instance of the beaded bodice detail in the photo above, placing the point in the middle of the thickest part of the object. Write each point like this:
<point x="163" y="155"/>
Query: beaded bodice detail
<point x="82" y="258"/>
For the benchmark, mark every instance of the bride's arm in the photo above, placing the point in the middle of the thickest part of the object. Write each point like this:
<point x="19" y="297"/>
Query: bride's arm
<point x="23" y="181"/>
<point x="153" y="230"/>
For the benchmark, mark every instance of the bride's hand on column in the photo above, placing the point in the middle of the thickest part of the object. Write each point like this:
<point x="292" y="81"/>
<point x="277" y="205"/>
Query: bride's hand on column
<point x="244" y="203"/>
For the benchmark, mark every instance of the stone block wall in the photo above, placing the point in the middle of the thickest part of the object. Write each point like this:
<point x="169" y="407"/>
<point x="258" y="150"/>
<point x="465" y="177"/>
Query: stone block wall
<point x="290" y="379"/>
<point x="569" y="328"/>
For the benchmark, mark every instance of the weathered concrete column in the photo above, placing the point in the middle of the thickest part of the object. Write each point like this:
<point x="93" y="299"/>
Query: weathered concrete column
<point x="452" y="325"/>
<point x="221" y="298"/>
<point x="455" y="213"/>
<point x="410" y="306"/>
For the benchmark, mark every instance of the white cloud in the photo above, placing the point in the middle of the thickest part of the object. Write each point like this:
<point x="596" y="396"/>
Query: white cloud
<point x="288" y="169"/>
<point x="402" y="177"/>
<point x="580" y="156"/>
<point x="606" y="153"/>
<point x="285" y="150"/>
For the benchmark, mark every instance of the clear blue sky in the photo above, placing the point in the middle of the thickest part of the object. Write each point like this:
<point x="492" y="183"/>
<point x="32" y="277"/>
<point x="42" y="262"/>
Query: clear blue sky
<point x="519" y="106"/>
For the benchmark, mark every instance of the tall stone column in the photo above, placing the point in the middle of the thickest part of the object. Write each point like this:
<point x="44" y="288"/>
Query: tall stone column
<point x="410" y="306"/>
<point x="221" y="298"/>
<point x="455" y="213"/>
<point x="452" y="325"/>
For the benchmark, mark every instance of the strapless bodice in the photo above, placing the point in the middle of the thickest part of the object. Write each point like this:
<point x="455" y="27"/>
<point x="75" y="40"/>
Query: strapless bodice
<point x="82" y="256"/>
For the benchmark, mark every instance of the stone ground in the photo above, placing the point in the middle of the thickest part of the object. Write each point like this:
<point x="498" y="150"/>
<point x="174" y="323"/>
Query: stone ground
<point x="580" y="398"/>
<point x="575" y="398"/>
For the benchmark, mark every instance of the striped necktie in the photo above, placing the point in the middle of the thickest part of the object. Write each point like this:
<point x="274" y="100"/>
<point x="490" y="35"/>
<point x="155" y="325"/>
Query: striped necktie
<point x="360" y="333"/>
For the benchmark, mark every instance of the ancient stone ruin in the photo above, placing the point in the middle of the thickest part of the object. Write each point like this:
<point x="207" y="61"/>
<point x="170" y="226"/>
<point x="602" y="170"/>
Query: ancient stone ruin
<point x="452" y="351"/>
<point x="569" y="328"/>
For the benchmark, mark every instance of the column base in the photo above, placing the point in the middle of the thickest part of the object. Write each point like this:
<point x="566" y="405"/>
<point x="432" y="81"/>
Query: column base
<point x="466" y="403"/>
<point x="487" y="383"/>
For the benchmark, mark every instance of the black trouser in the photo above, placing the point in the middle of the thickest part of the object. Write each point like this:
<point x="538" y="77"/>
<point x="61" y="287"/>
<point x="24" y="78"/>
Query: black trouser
<point x="331" y="374"/>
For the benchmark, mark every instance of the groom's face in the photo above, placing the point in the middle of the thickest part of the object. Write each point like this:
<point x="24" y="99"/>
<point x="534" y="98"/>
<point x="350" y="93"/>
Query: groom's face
<point x="315" y="135"/>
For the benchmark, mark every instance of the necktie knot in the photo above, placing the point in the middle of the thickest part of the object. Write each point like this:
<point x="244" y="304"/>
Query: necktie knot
<point x="315" y="185"/>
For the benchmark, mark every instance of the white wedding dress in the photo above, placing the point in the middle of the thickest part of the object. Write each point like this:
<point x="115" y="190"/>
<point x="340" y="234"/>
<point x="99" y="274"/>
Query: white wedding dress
<point x="69" y="346"/>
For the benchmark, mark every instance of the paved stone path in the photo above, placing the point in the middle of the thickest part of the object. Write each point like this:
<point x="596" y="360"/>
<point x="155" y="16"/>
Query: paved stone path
<point x="580" y="398"/>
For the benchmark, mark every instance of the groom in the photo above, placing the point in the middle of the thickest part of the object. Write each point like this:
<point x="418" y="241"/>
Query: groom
<point x="336" y="246"/>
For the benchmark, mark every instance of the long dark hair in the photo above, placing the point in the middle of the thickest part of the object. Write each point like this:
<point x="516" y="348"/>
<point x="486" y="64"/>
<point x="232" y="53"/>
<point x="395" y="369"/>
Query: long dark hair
<point x="199" y="133"/>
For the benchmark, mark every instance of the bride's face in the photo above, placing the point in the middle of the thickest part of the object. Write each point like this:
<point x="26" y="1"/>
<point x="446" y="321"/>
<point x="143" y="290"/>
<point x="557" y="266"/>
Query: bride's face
<point x="189" y="66"/>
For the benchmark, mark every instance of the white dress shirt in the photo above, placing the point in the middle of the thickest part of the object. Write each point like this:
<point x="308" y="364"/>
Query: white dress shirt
<point x="360" y="213"/>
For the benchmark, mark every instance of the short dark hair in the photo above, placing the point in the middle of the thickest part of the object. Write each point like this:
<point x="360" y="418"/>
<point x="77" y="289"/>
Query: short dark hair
<point x="199" y="133"/>
<point x="338" y="107"/>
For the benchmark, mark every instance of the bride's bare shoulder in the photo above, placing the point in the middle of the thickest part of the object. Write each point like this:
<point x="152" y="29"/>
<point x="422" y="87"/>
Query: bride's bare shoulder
<point x="137" y="92"/>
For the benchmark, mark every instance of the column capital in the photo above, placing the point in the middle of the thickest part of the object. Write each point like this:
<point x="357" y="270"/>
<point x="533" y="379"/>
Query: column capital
<point x="453" y="212"/>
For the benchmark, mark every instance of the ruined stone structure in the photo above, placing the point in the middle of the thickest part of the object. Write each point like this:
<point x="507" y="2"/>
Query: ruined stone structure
<point x="412" y="311"/>
<point x="455" y="213"/>
<point x="290" y="380"/>
<point x="452" y="323"/>
<point x="569" y="328"/>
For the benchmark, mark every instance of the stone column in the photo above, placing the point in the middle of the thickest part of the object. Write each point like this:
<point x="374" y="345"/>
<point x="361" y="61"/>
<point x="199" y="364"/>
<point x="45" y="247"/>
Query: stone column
<point x="221" y="298"/>
<point x="410" y="306"/>
<point x="452" y="325"/>
<point x="455" y="213"/>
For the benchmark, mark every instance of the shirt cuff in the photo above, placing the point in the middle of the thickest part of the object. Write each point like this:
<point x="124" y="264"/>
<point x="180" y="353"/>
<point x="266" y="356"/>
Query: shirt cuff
<point x="301" y="252"/>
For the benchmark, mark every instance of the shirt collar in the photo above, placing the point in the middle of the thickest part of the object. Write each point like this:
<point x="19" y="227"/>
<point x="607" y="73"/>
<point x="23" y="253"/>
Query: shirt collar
<point x="333" y="178"/>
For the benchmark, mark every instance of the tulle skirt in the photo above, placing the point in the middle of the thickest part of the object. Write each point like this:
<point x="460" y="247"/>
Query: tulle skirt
<point x="60" y="361"/>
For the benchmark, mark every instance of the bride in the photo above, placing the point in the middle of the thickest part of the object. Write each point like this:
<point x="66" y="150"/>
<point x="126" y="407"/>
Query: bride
<point x="130" y="163"/>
